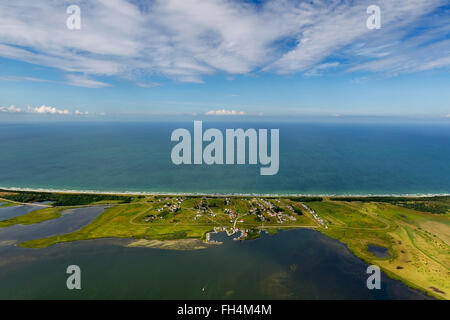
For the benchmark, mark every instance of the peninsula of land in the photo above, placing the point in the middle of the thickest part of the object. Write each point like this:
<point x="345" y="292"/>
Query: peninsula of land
<point x="412" y="233"/>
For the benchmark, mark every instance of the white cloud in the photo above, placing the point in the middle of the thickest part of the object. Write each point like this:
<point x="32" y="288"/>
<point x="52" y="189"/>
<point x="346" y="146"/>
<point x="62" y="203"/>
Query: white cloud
<point x="225" y="112"/>
<point x="186" y="40"/>
<point x="360" y="80"/>
<point x="84" y="81"/>
<point x="43" y="109"/>
<point x="18" y="79"/>
<point x="11" y="109"/>
<point x="318" y="70"/>
<point x="71" y="79"/>
<point x="148" y="85"/>
<point x="46" y="110"/>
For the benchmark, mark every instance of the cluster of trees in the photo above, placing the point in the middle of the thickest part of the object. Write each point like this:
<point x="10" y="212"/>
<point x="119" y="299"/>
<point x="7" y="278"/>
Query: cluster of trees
<point x="64" y="199"/>
<point x="389" y="199"/>
<point x="432" y="207"/>
<point x="277" y="209"/>
<point x="253" y="234"/>
<point x="212" y="204"/>
<point x="164" y="214"/>
<point x="306" y="199"/>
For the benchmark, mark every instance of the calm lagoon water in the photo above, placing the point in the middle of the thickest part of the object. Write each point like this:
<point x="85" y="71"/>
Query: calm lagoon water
<point x="296" y="264"/>
<point x="14" y="211"/>
<point x="315" y="158"/>
<point x="70" y="221"/>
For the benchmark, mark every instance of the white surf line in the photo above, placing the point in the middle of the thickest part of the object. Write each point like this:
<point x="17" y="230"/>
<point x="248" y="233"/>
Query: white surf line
<point x="280" y="195"/>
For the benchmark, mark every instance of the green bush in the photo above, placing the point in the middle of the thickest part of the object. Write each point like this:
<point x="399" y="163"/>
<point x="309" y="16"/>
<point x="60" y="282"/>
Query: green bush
<point x="64" y="199"/>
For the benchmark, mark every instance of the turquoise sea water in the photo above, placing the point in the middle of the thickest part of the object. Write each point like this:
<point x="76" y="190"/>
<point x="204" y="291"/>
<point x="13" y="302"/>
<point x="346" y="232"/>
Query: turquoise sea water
<point x="315" y="158"/>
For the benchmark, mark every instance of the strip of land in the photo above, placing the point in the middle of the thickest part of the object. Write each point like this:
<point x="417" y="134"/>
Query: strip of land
<point x="415" y="230"/>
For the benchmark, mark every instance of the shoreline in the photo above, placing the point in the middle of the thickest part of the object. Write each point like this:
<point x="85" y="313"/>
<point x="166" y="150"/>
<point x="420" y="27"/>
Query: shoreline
<point x="219" y="194"/>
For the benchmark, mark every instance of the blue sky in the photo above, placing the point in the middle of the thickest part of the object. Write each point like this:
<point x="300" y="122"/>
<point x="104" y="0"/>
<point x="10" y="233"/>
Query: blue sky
<point x="224" y="58"/>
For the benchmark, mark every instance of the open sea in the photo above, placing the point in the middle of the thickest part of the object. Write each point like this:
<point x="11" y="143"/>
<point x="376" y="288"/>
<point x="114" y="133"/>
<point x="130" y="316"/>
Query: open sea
<point x="315" y="158"/>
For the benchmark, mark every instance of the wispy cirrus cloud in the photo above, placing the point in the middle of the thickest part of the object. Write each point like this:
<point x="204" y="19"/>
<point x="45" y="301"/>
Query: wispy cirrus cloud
<point x="148" y="85"/>
<point x="187" y="40"/>
<point x="84" y="81"/>
<point x="317" y="70"/>
<point x="70" y="79"/>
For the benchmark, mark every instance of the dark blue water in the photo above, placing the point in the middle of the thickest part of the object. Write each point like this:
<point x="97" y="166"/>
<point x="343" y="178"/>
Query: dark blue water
<point x="378" y="251"/>
<point x="315" y="158"/>
<point x="14" y="211"/>
<point x="296" y="264"/>
<point x="70" y="221"/>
